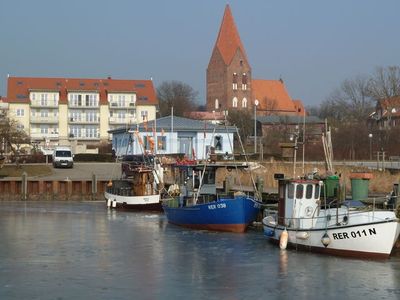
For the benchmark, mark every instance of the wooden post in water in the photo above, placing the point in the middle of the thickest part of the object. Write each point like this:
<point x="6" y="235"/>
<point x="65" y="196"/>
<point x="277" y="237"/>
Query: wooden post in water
<point x="94" y="186"/>
<point x="260" y="187"/>
<point x="24" y="186"/>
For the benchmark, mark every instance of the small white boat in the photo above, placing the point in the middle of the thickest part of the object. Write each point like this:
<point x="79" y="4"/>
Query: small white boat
<point x="139" y="188"/>
<point x="341" y="230"/>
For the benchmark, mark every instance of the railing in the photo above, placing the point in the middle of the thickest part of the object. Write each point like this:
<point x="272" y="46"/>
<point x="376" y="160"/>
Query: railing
<point x="83" y="120"/>
<point x="39" y="135"/>
<point x="40" y="119"/>
<point x="38" y="103"/>
<point x="126" y="105"/>
<point x="113" y="120"/>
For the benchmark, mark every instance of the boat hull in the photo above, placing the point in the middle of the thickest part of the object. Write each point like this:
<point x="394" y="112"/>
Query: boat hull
<point x="370" y="240"/>
<point x="145" y="202"/>
<point x="232" y="214"/>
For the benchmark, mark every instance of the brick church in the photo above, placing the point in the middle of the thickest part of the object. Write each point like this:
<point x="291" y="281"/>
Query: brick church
<point x="230" y="84"/>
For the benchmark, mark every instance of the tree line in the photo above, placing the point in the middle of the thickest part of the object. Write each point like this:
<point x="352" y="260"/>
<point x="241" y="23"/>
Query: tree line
<point x="348" y="108"/>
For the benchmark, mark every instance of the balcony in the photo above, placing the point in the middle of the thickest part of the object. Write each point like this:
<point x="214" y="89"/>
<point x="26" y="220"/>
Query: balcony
<point x="47" y="104"/>
<point x="83" y="120"/>
<point x="82" y="106"/>
<point x="126" y="105"/>
<point x="44" y="120"/>
<point x="119" y="121"/>
<point x="84" y="137"/>
<point x="42" y="136"/>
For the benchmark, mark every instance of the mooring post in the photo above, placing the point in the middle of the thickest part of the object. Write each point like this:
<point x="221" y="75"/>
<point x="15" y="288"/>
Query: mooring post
<point x="260" y="187"/>
<point x="94" y="186"/>
<point x="24" y="186"/>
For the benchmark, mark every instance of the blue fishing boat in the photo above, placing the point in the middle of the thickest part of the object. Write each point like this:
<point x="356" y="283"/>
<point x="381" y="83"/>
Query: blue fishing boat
<point x="196" y="202"/>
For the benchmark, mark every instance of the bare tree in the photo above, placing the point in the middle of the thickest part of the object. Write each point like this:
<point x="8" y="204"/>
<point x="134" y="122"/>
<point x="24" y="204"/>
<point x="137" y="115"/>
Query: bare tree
<point x="243" y="120"/>
<point x="176" y="94"/>
<point x="349" y="103"/>
<point x="12" y="136"/>
<point x="385" y="83"/>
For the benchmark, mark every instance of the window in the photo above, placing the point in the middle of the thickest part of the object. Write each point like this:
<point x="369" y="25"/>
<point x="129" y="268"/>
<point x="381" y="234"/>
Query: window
<point x="218" y="142"/>
<point x="144" y="114"/>
<point x="234" y="102"/>
<point x="33" y="96"/>
<point x="162" y="142"/>
<point x="44" y="130"/>
<point x="20" y="112"/>
<point x="291" y="191"/>
<point x="299" y="191"/>
<point x="87" y="100"/>
<point x="234" y="81"/>
<point x="244" y="81"/>
<point x="316" y="194"/>
<point x="309" y="189"/>
<point x="244" y="102"/>
<point x="44" y="113"/>
<point x="216" y="104"/>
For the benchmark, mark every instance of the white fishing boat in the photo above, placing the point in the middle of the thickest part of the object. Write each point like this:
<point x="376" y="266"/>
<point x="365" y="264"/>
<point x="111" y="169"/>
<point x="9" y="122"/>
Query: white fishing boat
<point x="312" y="224"/>
<point x="139" y="188"/>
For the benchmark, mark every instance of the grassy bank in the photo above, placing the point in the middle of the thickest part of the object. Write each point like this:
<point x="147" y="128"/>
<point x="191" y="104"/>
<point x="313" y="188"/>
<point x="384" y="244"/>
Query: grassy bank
<point x="31" y="170"/>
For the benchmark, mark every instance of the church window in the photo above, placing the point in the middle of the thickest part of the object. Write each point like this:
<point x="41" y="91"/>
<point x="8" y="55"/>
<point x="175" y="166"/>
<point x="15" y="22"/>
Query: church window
<point x="244" y="81"/>
<point x="235" y="81"/>
<point x="234" y="102"/>
<point x="216" y="104"/>
<point x="244" y="102"/>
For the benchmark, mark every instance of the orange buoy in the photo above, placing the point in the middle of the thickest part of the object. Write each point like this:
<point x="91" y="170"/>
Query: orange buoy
<point x="283" y="239"/>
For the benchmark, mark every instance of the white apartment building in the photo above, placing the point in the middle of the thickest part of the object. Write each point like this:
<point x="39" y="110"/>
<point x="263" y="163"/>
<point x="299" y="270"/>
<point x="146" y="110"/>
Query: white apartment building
<point x="66" y="110"/>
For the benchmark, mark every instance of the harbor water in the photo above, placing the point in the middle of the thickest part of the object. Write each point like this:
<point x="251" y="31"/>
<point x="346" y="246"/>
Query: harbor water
<point x="81" y="250"/>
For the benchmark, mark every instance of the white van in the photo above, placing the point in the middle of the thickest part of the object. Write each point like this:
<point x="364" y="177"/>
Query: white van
<point x="63" y="157"/>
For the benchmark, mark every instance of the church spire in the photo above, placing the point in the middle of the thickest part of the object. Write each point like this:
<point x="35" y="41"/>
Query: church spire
<point x="228" y="40"/>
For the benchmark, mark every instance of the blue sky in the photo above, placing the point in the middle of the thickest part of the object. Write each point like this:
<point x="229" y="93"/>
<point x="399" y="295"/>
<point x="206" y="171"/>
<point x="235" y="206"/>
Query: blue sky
<point x="312" y="45"/>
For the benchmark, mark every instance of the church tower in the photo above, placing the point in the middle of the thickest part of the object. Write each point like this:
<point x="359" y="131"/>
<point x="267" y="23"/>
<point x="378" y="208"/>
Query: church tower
<point x="229" y="84"/>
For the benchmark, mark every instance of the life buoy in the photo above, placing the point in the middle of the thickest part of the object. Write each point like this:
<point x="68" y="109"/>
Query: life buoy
<point x="308" y="211"/>
<point x="283" y="240"/>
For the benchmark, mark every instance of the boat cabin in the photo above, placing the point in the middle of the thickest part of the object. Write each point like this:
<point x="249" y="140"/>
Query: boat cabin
<point x="191" y="176"/>
<point x="299" y="202"/>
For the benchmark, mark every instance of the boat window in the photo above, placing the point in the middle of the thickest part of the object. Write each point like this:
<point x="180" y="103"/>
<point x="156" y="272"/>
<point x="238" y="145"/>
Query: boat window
<point x="299" y="191"/>
<point x="316" y="194"/>
<point x="309" y="191"/>
<point x="209" y="177"/>
<point x="291" y="191"/>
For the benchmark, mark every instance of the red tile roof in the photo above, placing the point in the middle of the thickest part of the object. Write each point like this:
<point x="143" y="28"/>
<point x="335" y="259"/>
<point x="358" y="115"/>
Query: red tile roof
<point x="18" y="88"/>
<point x="205" y="115"/>
<point x="273" y="96"/>
<point x="393" y="102"/>
<point x="228" y="40"/>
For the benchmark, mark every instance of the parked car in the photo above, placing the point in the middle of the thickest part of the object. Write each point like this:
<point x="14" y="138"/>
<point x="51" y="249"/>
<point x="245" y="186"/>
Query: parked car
<point x="63" y="157"/>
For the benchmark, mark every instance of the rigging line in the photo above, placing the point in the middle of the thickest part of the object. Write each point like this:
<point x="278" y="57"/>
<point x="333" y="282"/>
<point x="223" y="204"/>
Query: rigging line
<point x="247" y="162"/>
<point x="231" y="145"/>
<point x="205" y="165"/>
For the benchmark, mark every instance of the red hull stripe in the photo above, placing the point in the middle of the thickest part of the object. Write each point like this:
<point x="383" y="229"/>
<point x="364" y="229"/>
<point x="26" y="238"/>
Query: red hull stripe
<point x="238" y="228"/>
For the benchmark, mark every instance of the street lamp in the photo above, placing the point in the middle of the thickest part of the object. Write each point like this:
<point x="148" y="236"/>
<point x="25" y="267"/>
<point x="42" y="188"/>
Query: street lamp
<point x="370" y="146"/>
<point x="294" y="137"/>
<point x="255" y="125"/>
